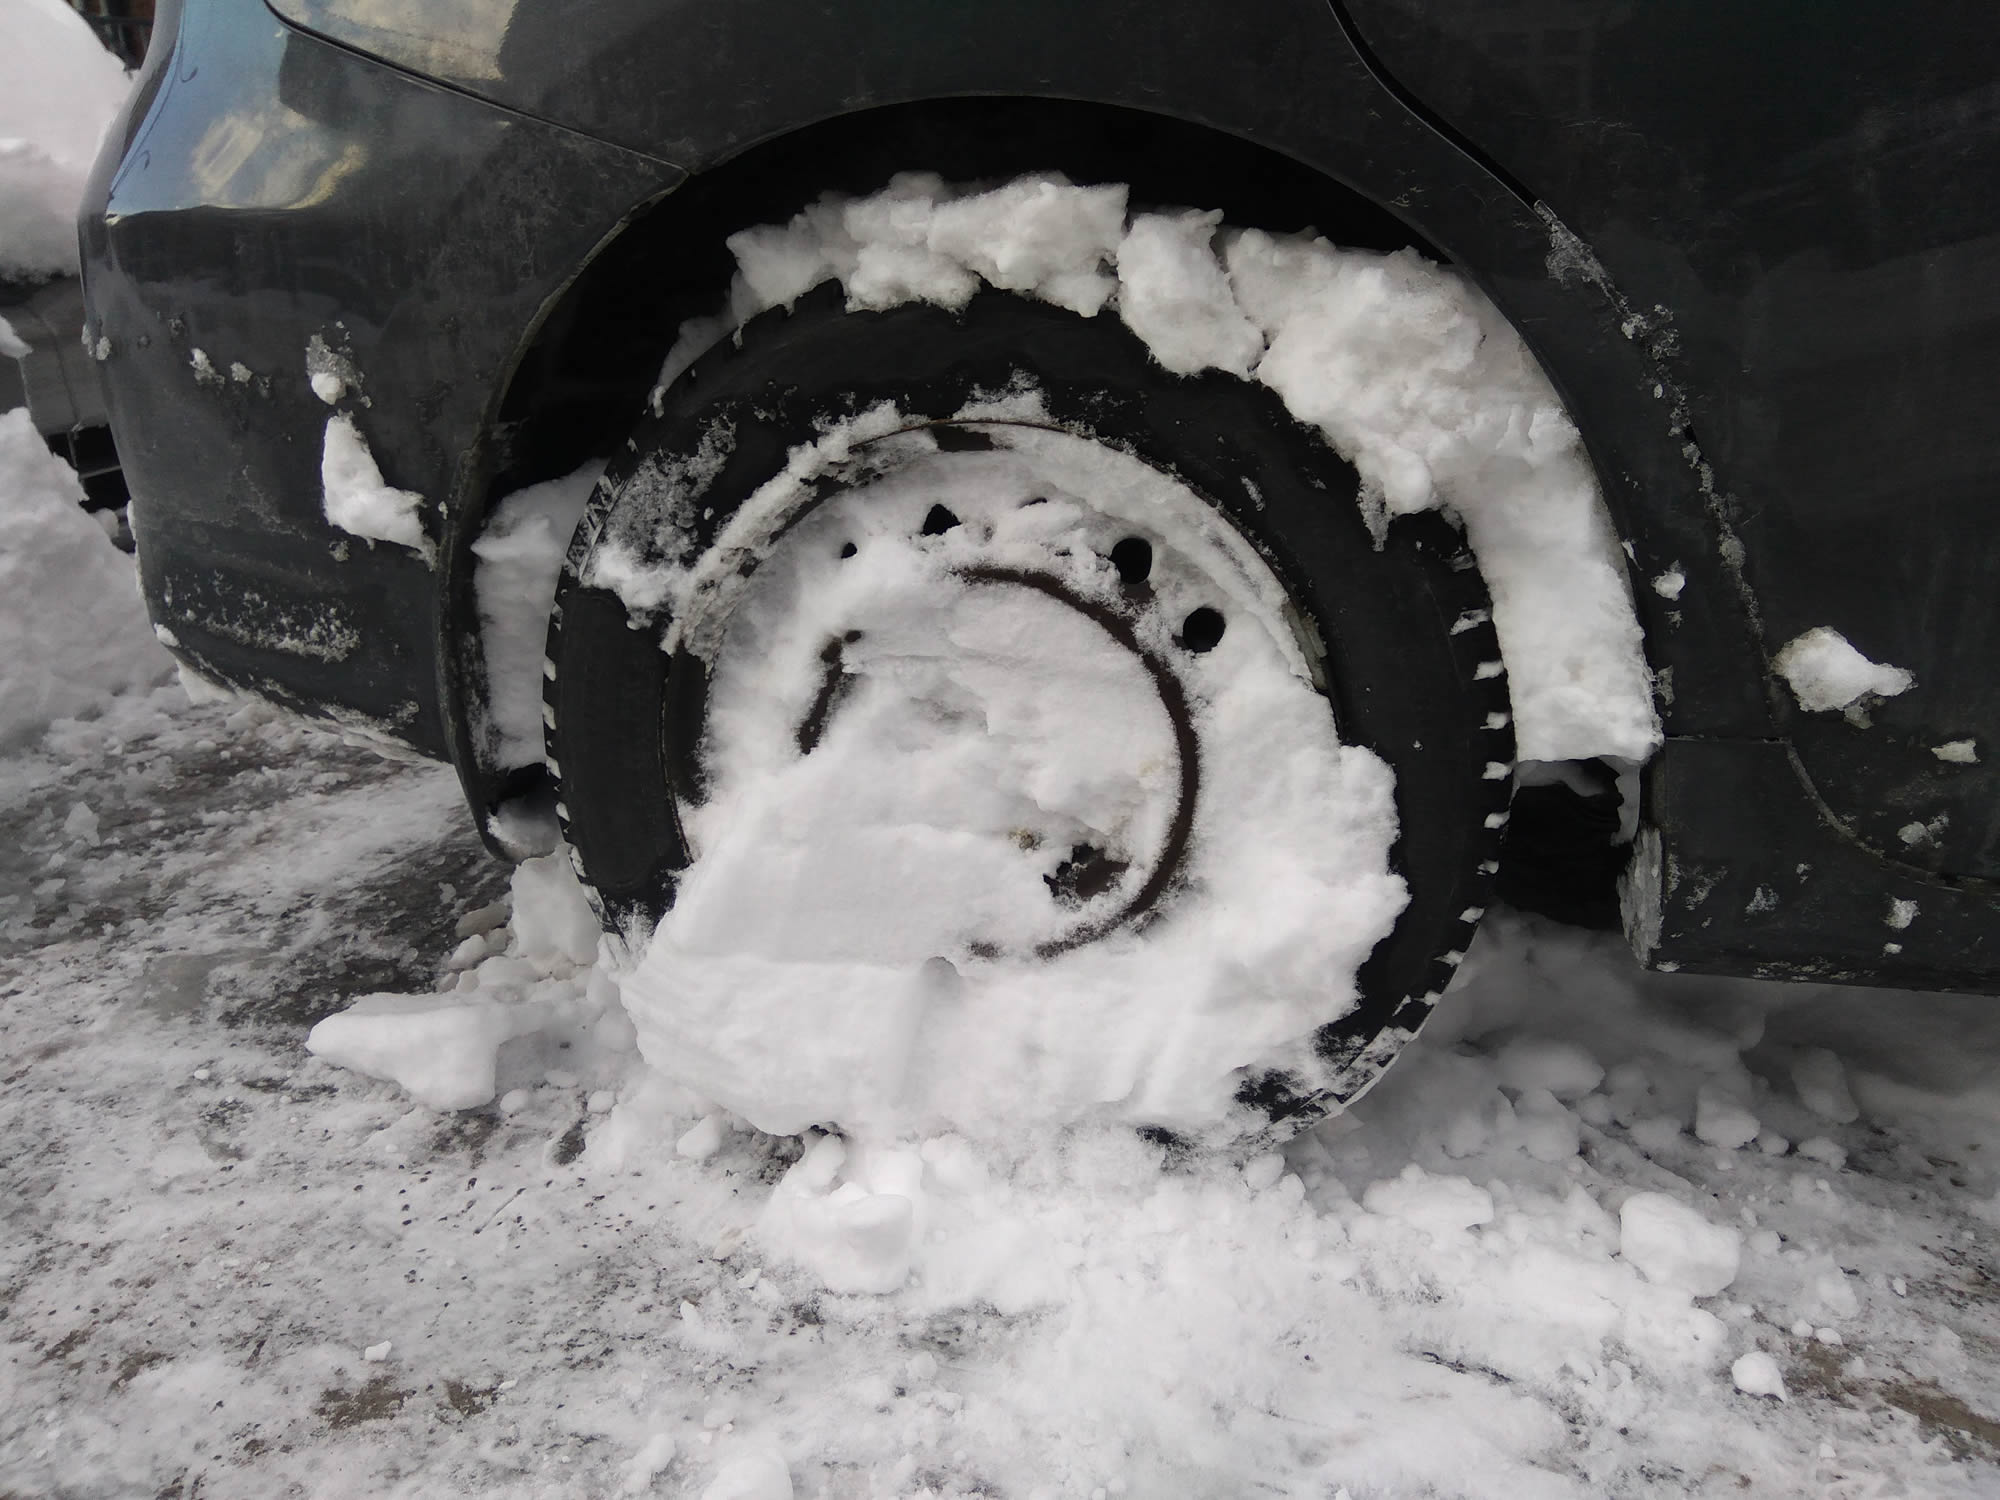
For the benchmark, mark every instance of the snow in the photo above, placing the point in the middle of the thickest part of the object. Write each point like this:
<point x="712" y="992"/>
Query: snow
<point x="865" y="937"/>
<point x="358" y="501"/>
<point x="520" y="556"/>
<point x="1403" y="364"/>
<point x="59" y="89"/>
<point x="1561" y="1067"/>
<point x="68" y="649"/>
<point x="1674" y="1245"/>
<point x="1174" y="293"/>
<point x="1821" y="1080"/>
<point x="1721" y="1120"/>
<point x="1826" y="673"/>
<point x="1479" y="1281"/>
<point x="1957" y="752"/>
<point x="1080" y="1312"/>
<point x="1757" y="1374"/>
<point x="760" y="1474"/>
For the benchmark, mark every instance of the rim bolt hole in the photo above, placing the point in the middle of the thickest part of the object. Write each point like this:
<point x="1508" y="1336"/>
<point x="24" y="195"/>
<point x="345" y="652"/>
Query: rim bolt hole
<point x="939" y="521"/>
<point x="1202" y="630"/>
<point x="1133" y="558"/>
<point x="848" y="549"/>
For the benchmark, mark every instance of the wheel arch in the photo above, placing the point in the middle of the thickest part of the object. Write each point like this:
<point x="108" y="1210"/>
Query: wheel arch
<point x="586" y="366"/>
<point x="585" y="369"/>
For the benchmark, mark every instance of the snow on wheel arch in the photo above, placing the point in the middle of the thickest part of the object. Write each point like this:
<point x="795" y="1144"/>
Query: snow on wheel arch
<point x="1404" y="365"/>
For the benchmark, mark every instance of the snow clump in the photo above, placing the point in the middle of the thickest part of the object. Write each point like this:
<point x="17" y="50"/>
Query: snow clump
<point x="445" y="1049"/>
<point x="358" y="501"/>
<point x="1673" y="1245"/>
<point x="1757" y="1374"/>
<point x="1826" y="673"/>
<point x="1822" y="1084"/>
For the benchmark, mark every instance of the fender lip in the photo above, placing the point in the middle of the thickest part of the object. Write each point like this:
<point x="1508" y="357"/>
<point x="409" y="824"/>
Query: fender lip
<point x="1752" y="876"/>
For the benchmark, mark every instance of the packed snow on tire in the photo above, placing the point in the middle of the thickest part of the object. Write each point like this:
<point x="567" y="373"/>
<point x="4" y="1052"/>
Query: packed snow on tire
<point x="1406" y="369"/>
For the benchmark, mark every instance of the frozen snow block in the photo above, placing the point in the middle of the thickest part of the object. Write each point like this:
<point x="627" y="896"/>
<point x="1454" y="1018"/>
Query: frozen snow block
<point x="552" y="918"/>
<point x="442" y="1054"/>
<point x="1673" y="1245"/>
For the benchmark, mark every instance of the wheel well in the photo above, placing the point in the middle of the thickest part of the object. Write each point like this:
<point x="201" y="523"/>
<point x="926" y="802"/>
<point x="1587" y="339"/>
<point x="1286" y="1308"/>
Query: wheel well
<point x="580" y="384"/>
<point x="583" y="379"/>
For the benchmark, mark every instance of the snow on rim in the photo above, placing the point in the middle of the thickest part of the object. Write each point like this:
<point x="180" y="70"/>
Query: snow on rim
<point x="872" y="931"/>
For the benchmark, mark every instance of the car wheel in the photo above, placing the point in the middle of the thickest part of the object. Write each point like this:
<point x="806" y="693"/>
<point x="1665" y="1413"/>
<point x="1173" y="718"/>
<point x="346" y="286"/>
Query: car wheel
<point x="749" y="583"/>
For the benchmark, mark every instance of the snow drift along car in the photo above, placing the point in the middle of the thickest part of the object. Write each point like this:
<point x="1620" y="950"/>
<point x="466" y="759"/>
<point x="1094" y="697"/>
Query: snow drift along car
<point x="1689" y="424"/>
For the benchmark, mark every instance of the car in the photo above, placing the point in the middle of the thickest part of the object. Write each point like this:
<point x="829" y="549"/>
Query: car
<point x="362" y="271"/>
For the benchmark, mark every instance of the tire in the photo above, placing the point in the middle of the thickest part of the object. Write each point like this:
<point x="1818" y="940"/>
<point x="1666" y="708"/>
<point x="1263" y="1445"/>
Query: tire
<point x="1410" y="662"/>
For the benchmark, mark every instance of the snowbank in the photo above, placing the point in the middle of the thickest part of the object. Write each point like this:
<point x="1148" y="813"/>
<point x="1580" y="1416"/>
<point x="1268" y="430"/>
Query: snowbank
<point x="59" y="89"/>
<point x="73" y="628"/>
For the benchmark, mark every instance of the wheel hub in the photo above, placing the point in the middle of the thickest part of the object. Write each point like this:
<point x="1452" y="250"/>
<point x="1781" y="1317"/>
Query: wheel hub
<point x="1039" y="646"/>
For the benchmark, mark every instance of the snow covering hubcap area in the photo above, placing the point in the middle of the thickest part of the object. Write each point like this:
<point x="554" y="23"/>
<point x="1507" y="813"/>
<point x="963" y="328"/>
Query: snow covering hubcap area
<point x="1019" y="797"/>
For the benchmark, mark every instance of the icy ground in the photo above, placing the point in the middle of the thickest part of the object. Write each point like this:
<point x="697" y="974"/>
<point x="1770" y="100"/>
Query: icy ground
<point x="229" y="1268"/>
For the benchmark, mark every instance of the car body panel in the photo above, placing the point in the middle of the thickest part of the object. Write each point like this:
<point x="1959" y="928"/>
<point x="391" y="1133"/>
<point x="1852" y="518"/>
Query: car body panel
<point x="1808" y="194"/>
<point x="281" y="190"/>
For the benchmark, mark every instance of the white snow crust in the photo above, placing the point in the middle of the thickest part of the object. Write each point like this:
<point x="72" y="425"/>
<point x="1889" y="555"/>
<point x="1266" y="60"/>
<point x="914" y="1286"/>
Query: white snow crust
<point x="73" y="628"/>
<point x="59" y="89"/>
<point x="520" y="557"/>
<point x="358" y="501"/>
<point x="1404" y="365"/>
<point x="1827" y="673"/>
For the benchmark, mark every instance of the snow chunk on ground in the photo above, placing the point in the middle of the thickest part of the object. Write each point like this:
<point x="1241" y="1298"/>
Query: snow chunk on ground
<point x="1957" y="752"/>
<point x="760" y="1474"/>
<point x="1721" y="1121"/>
<point x="1563" y="1068"/>
<point x="59" y="89"/>
<point x="358" y="501"/>
<point x="1439" y="1206"/>
<point x="444" y="1054"/>
<point x="1822" y="1084"/>
<point x="520" y="559"/>
<point x="1826" y="673"/>
<point x="857" y="1236"/>
<point x="445" y="1048"/>
<point x="1757" y="1374"/>
<point x="1673" y="1245"/>
<point x="68" y="649"/>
